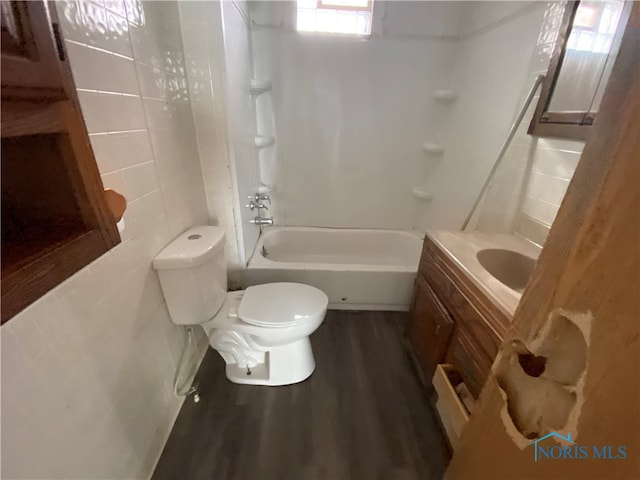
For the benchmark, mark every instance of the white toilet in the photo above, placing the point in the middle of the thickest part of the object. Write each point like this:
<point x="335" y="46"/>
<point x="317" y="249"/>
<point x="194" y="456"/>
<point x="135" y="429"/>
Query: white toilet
<point x="262" y="332"/>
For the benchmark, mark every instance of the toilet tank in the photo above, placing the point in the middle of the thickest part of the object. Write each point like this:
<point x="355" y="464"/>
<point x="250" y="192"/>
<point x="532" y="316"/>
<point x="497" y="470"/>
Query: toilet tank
<point x="193" y="275"/>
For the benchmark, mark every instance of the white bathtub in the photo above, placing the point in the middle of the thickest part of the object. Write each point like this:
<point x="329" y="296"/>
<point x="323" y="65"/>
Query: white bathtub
<point x="357" y="269"/>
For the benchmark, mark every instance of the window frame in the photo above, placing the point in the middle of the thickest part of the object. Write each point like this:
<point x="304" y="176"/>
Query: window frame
<point x="347" y="8"/>
<point x="568" y="125"/>
<point x="338" y="8"/>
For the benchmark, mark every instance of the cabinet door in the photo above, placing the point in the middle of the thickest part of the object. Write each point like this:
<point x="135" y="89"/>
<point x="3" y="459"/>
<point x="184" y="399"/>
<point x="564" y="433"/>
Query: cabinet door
<point x="30" y="56"/>
<point x="429" y="329"/>
<point x="471" y="361"/>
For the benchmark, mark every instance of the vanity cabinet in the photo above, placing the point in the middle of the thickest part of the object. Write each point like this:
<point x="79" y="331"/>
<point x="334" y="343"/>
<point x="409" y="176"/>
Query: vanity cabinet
<point x="444" y="295"/>
<point x="429" y="329"/>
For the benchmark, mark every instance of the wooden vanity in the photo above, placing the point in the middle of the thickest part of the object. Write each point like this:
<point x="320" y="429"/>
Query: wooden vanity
<point x="458" y="317"/>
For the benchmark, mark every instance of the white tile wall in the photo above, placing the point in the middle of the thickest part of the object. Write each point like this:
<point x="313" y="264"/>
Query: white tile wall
<point x="218" y="53"/>
<point x="87" y="370"/>
<point x="202" y="37"/>
<point x="531" y="184"/>
<point x="489" y="75"/>
<point x="351" y="115"/>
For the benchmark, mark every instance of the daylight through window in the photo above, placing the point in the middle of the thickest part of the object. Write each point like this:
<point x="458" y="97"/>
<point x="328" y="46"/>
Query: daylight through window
<point x="335" y="16"/>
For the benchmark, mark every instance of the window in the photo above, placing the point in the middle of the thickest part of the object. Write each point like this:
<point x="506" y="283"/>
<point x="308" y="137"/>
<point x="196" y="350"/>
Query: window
<point x="594" y="26"/>
<point x="352" y="17"/>
<point x="579" y="70"/>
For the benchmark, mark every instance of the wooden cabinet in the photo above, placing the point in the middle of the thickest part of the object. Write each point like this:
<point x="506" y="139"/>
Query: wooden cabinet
<point x="429" y="329"/>
<point x="444" y="295"/>
<point x="31" y="52"/>
<point x="55" y="219"/>
<point x="470" y="361"/>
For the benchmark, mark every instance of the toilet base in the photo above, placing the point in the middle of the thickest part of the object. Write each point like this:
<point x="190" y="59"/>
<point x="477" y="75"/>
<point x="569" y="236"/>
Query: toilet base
<point x="283" y="365"/>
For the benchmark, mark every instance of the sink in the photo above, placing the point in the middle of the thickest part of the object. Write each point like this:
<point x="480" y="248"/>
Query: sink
<point x="509" y="267"/>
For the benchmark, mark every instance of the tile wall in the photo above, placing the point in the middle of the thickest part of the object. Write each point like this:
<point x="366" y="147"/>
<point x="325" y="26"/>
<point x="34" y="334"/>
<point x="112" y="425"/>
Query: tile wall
<point x="87" y="370"/>
<point x="531" y="183"/>
<point x="201" y="24"/>
<point x="490" y="71"/>
<point x="351" y="115"/>
<point x="218" y="52"/>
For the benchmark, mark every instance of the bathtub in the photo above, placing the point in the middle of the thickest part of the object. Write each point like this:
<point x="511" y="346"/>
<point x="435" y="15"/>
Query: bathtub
<point x="357" y="269"/>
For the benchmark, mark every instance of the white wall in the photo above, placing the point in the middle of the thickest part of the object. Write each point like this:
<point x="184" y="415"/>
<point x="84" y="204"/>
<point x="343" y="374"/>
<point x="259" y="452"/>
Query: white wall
<point x="218" y="55"/>
<point x="202" y="32"/>
<point x="490" y="72"/>
<point x="352" y="114"/>
<point x="530" y="185"/>
<point x="87" y="370"/>
<point x="241" y="114"/>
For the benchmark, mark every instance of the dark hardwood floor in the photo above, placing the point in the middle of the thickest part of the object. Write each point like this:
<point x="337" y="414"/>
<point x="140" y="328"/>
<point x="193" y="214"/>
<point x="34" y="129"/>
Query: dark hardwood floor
<point x="361" y="415"/>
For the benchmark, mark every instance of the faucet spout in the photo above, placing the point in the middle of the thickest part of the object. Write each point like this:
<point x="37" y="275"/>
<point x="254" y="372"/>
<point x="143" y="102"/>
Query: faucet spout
<point x="262" y="221"/>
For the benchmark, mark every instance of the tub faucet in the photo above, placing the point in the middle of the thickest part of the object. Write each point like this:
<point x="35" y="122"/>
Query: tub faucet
<point x="252" y="205"/>
<point x="262" y="221"/>
<point x="258" y="197"/>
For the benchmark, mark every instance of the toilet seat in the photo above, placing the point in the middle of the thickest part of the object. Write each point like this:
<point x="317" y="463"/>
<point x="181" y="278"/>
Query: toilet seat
<point x="281" y="304"/>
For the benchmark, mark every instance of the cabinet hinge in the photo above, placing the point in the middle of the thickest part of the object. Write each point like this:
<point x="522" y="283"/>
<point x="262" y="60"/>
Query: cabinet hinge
<point x="59" y="42"/>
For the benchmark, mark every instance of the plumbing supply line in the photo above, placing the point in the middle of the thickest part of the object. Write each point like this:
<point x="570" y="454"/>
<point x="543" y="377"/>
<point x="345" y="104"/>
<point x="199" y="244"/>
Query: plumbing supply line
<point x="187" y="388"/>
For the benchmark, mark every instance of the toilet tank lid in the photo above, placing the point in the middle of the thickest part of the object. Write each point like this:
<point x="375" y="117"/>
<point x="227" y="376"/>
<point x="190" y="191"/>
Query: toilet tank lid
<point x="194" y="247"/>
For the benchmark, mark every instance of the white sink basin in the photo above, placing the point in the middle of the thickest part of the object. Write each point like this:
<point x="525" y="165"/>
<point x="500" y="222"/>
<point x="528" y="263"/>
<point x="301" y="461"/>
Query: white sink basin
<point x="511" y="268"/>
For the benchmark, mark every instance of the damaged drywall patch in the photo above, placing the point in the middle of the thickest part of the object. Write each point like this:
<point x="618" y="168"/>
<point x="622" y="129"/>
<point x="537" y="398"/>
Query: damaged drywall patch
<point x="542" y="380"/>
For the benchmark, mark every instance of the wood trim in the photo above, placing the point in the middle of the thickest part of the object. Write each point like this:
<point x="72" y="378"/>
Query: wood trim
<point x="548" y="85"/>
<point x="568" y="125"/>
<point x="36" y="278"/>
<point x="38" y="73"/>
<point x="574" y="118"/>
<point x="29" y="109"/>
<point x="30" y="118"/>
<point x="562" y="130"/>
<point x="84" y="172"/>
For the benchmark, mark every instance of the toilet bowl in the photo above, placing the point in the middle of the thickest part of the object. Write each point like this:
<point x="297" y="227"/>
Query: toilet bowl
<point x="262" y="333"/>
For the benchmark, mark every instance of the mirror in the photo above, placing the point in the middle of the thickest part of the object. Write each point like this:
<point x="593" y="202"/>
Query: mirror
<point x="582" y="60"/>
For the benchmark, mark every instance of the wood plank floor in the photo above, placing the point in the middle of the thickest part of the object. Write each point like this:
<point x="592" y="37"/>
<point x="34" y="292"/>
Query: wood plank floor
<point x="361" y="415"/>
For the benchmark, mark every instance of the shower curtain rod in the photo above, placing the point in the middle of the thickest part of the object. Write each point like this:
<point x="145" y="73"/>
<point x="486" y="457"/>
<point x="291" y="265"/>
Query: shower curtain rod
<point x="503" y="149"/>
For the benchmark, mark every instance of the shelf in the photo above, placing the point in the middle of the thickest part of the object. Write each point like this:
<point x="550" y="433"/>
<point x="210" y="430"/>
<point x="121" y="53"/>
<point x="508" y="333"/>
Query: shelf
<point x="433" y="148"/>
<point x="262" y="142"/>
<point x="445" y="96"/>
<point x="258" y="87"/>
<point x="422" y="194"/>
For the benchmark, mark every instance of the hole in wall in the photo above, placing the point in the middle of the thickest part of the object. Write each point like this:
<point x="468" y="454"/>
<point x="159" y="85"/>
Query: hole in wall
<point x="541" y="384"/>
<point x="533" y="365"/>
<point x="565" y="347"/>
